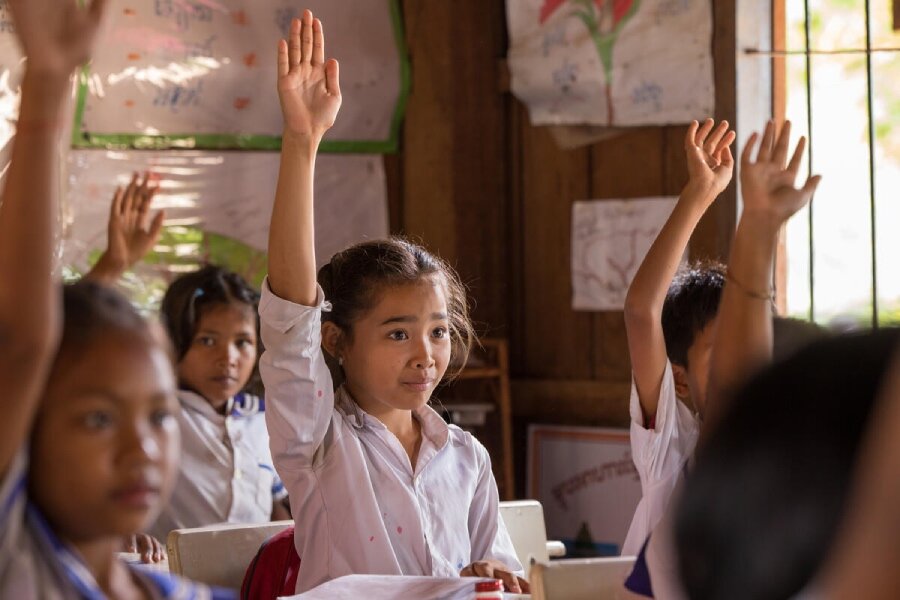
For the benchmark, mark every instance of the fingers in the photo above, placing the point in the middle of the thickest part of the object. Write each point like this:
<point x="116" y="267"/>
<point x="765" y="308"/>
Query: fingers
<point x="510" y="581"/>
<point x="704" y="131"/>
<point x="765" y="147"/>
<point x="722" y="145"/>
<point x="295" y="55"/>
<point x="318" y="53"/>
<point x="691" y="135"/>
<point x="779" y="155"/>
<point x="115" y="209"/>
<point x="332" y="77"/>
<point x="128" y="200"/>
<point x="725" y="158"/>
<point x="284" y="65"/>
<point x="306" y="37"/>
<point x="797" y="158"/>
<point x="809" y="188"/>
<point x="156" y="228"/>
<point x="747" y="154"/>
<point x="712" y="142"/>
<point x="145" y="197"/>
<point x="524" y="585"/>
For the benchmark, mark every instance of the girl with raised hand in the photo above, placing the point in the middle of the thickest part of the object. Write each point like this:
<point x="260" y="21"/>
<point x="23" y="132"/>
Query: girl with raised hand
<point x="378" y="482"/>
<point x="88" y="442"/>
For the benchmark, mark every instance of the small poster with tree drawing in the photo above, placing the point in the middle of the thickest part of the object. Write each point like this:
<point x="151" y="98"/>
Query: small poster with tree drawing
<point x="609" y="240"/>
<point x="612" y="62"/>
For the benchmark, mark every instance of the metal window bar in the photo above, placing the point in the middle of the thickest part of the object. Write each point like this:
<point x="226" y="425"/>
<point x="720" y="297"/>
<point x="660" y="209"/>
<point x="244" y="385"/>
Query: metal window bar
<point x="871" y="125"/>
<point x="809" y="149"/>
<point x="868" y="51"/>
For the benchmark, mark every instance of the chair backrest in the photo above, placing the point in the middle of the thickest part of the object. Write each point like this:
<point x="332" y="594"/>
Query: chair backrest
<point x="524" y="521"/>
<point x="218" y="554"/>
<point x="581" y="579"/>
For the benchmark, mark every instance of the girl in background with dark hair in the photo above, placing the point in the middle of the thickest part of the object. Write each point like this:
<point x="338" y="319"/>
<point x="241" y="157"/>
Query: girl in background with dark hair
<point x="226" y="468"/>
<point x="210" y="316"/>
<point x="379" y="483"/>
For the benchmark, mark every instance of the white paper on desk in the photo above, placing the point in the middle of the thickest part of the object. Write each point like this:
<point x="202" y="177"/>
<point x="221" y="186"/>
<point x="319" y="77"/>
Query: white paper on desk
<point x="384" y="587"/>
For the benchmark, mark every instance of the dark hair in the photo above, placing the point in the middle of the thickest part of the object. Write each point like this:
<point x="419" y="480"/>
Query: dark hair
<point x="354" y="277"/>
<point x="190" y="294"/>
<point x="763" y="501"/>
<point x="91" y="310"/>
<point x="691" y="303"/>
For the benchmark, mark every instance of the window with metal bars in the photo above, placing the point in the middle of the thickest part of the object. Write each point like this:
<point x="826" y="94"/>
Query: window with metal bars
<point x="836" y="76"/>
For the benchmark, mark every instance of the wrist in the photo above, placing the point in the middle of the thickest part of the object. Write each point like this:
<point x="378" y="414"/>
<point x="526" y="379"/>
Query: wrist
<point x="698" y="193"/>
<point x="304" y="141"/>
<point x="110" y="266"/>
<point x="762" y="221"/>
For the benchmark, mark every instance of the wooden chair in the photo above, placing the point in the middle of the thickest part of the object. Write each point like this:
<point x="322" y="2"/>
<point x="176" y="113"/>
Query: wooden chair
<point x="219" y="554"/>
<point x="581" y="579"/>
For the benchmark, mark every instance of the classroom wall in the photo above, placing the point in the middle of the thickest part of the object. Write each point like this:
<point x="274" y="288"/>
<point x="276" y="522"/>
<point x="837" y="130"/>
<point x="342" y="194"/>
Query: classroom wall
<point x="492" y="194"/>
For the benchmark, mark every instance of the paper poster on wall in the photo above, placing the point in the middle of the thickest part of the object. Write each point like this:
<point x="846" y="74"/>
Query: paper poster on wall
<point x="609" y="240"/>
<point x="612" y="62"/>
<point x="587" y="483"/>
<point x="218" y="207"/>
<point x="201" y="74"/>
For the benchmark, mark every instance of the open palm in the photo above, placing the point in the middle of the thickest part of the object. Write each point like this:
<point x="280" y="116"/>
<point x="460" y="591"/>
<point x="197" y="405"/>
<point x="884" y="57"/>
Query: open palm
<point x="308" y="87"/>
<point x="56" y="39"/>
<point x="768" y="183"/>
<point x="130" y="234"/>
<point x="709" y="160"/>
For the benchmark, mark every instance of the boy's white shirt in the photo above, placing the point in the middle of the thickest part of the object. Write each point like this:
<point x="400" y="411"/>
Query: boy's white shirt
<point x="226" y="473"/>
<point x="660" y="455"/>
<point x="358" y="505"/>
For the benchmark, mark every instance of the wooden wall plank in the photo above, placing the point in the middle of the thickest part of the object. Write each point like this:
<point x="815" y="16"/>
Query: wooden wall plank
<point x="556" y="339"/>
<point x="454" y="146"/>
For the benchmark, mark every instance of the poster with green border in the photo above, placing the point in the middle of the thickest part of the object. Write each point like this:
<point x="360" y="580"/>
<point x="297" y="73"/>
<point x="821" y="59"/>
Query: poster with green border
<point x="171" y="60"/>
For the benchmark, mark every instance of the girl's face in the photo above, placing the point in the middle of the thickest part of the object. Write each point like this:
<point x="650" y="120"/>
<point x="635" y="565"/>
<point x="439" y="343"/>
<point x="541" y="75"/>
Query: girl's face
<point x="222" y="355"/>
<point x="399" y="349"/>
<point x="105" y="447"/>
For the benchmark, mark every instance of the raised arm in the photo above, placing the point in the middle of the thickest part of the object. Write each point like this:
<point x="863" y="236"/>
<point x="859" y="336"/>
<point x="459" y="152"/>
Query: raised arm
<point x="742" y="343"/>
<point x="710" y="166"/>
<point x="56" y="36"/>
<point x="310" y="95"/>
<point x="130" y="232"/>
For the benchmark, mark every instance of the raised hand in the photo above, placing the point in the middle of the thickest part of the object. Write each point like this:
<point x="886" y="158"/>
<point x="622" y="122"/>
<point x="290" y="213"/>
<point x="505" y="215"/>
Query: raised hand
<point x="130" y="233"/>
<point x="768" y="183"/>
<point x="56" y="35"/>
<point x="709" y="160"/>
<point x="308" y="87"/>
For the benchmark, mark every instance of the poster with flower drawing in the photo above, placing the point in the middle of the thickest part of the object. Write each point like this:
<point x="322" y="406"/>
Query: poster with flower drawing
<point x="612" y="62"/>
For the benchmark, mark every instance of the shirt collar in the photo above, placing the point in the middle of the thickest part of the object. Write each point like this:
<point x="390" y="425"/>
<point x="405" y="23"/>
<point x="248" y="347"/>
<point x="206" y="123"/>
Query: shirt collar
<point x="199" y="404"/>
<point x="433" y="425"/>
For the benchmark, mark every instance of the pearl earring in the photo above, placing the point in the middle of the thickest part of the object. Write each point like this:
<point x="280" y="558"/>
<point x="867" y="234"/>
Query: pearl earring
<point x="340" y="361"/>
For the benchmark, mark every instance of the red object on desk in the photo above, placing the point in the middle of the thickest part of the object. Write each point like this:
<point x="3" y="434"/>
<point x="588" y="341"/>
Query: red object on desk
<point x="489" y="586"/>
